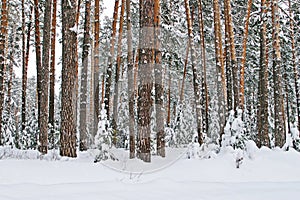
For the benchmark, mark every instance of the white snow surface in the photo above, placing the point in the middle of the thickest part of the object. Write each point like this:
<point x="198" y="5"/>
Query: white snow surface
<point x="264" y="174"/>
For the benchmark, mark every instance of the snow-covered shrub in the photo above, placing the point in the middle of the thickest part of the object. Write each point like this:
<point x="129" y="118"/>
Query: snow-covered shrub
<point x="103" y="139"/>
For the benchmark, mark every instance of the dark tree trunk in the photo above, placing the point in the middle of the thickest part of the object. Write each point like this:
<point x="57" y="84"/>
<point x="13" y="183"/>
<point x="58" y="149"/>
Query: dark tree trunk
<point x="130" y="72"/>
<point x="52" y="73"/>
<point x="69" y="64"/>
<point x="83" y="144"/>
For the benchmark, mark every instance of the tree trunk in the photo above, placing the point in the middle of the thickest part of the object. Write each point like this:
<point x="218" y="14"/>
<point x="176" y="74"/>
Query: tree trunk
<point x="96" y="84"/>
<point x="52" y="73"/>
<point x="294" y="56"/>
<point x="195" y="74"/>
<point x="130" y="71"/>
<point x="24" y="73"/>
<point x="69" y="64"/>
<point x="277" y="77"/>
<point x="243" y="61"/>
<point x="83" y="144"/>
<point x="221" y="85"/>
<point x="3" y="33"/>
<point x="44" y="84"/>
<point x="263" y="113"/>
<point x="146" y="58"/>
<point x="38" y="55"/>
<point x="159" y="89"/>
<point x="117" y="76"/>
<point x="232" y="54"/>
<point x="204" y="76"/>
<point x="110" y="60"/>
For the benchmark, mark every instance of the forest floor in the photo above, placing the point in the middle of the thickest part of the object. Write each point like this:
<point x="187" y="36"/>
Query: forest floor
<point x="263" y="174"/>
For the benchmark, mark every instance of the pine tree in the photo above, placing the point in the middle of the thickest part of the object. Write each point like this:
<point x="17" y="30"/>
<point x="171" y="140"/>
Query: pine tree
<point x="52" y="74"/>
<point x="69" y="64"/>
<point x="83" y="145"/>
<point x="277" y="77"/>
<point x="110" y="60"/>
<point x="3" y="34"/>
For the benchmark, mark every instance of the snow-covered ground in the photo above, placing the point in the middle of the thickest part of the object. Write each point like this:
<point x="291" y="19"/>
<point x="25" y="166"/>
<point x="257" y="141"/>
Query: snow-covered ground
<point x="264" y="174"/>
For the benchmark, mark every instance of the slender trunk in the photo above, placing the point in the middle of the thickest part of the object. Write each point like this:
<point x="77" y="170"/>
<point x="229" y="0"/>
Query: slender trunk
<point x="232" y="54"/>
<point x="24" y="73"/>
<point x="184" y="73"/>
<point x="130" y="71"/>
<point x="263" y="113"/>
<point x="204" y="76"/>
<point x="52" y="73"/>
<point x="159" y="89"/>
<point x="117" y="76"/>
<point x="96" y="84"/>
<point x="91" y="92"/>
<point x="294" y="56"/>
<point x="23" y="117"/>
<point x="243" y="61"/>
<point x="278" y="94"/>
<point x="3" y="34"/>
<point x="221" y="85"/>
<point x="169" y="100"/>
<point x="110" y="60"/>
<point x="69" y="64"/>
<point x="195" y="74"/>
<point x="38" y="54"/>
<point x="44" y="73"/>
<point x="83" y="144"/>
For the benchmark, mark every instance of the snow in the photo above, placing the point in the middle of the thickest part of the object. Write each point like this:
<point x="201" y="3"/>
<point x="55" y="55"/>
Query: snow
<point x="267" y="174"/>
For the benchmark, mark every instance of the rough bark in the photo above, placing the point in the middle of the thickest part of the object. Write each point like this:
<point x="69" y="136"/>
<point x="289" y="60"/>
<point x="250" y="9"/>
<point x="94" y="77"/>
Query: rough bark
<point x="243" y="61"/>
<point x="130" y="71"/>
<point x="24" y="73"/>
<point x="294" y="56"/>
<point x="117" y="73"/>
<point x="69" y="64"/>
<point x="110" y="60"/>
<point x="52" y="73"/>
<point x="263" y="114"/>
<point x="38" y="54"/>
<point x="83" y="144"/>
<point x="205" y="100"/>
<point x="96" y="84"/>
<point x="232" y="54"/>
<point x="280" y="134"/>
<point x="3" y="33"/>
<point x="44" y="84"/>
<point x="221" y="85"/>
<point x="146" y="58"/>
<point x="195" y="73"/>
<point x="159" y="89"/>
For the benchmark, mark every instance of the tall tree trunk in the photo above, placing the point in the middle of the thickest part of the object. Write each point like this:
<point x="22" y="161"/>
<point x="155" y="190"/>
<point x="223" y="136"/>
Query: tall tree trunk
<point x="3" y="34"/>
<point x="263" y="113"/>
<point x="294" y="56"/>
<point x="159" y="89"/>
<point x="232" y="54"/>
<point x="195" y="73"/>
<point x="52" y="73"/>
<point x="280" y="134"/>
<point x="38" y="54"/>
<point x="243" y="61"/>
<point x="130" y="71"/>
<point x="96" y="84"/>
<point x="221" y="85"/>
<point x="204" y="76"/>
<point x="146" y="58"/>
<point x="44" y="73"/>
<point x="83" y="144"/>
<point x="69" y="64"/>
<point x="23" y="117"/>
<point x="110" y="59"/>
<point x="117" y="75"/>
<point x="24" y="72"/>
